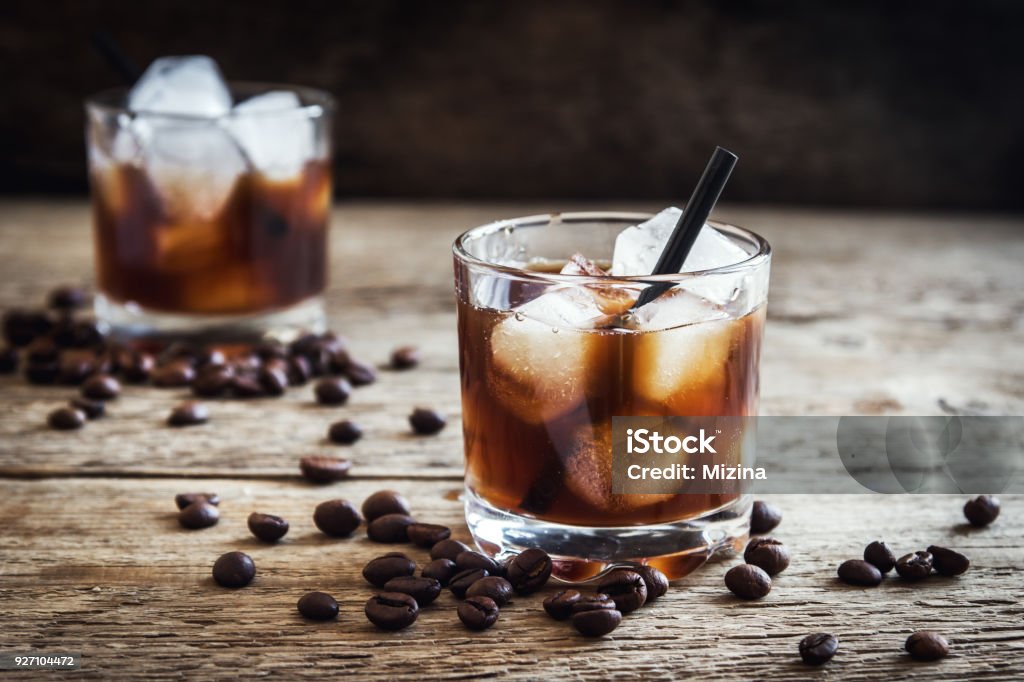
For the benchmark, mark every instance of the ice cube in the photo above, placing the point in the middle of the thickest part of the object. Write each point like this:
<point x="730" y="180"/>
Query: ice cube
<point x="191" y="85"/>
<point x="638" y="248"/>
<point x="275" y="132"/>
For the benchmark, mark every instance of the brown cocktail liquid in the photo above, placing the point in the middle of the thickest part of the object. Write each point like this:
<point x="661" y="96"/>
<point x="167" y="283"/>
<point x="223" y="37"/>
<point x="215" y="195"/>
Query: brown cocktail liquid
<point x="263" y="249"/>
<point x="538" y="444"/>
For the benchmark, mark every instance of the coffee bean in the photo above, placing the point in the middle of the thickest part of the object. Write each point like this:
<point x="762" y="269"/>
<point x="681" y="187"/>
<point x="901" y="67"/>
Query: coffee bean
<point x="92" y="409"/>
<point x="199" y="514"/>
<point x="926" y="645"/>
<point x="656" y="581"/>
<point x="914" y="566"/>
<point x="344" y="432"/>
<point x="67" y="298"/>
<point x="324" y="469"/>
<point x="273" y="380"/>
<point x="858" y="572"/>
<point x="593" y="602"/>
<point x="595" y="617"/>
<point x="337" y="518"/>
<point x="138" y="368"/>
<point x="982" y="510"/>
<point x="768" y="554"/>
<point x="270" y="350"/>
<point x="22" y="326"/>
<point x="86" y="334"/>
<point x="188" y="414"/>
<point x="318" y="606"/>
<point x="41" y="373"/>
<point x="8" y="360"/>
<point x="66" y="419"/>
<point x="559" y="605"/>
<point x="390" y="528"/>
<point x="426" y="422"/>
<point x="494" y="587"/>
<point x="391" y="610"/>
<point x="405" y="357"/>
<point x="174" y="375"/>
<point x="448" y="549"/>
<point x="384" y="502"/>
<point x="213" y="382"/>
<point x="385" y="567"/>
<point x="748" y="581"/>
<point x="340" y="360"/>
<point x="210" y="357"/>
<point x="948" y="562"/>
<point x="245" y="385"/>
<point x="819" y="648"/>
<point x="75" y="366"/>
<point x="880" y="556"/>
<point x="360" y="374"/>
<point x="423" y="590"/>
<point x="332" y="391"/>
<point x="473" y="559"/>
<point x="183" y="500"/>
<point x="478" y="613"/>
<point x="440" y="570"/>
<point x="427" y="534"/>
<point x="463" y="580"/>
<point x="529" y="571"/>
<point x="267" y="527"/>
<point x="179" y="351"/>
<point x="101" y="387"/>
<point x="626" y="588"/>
<point x="764" y="517"/>
<point x="42" y="351"/>
<point x="298" y="371"/>
<point x="234" y="569"/>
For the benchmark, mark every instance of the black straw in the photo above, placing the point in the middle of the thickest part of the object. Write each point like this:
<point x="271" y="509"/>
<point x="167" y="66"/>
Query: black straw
<point x="108" y="48"/>
<point x="700" y="205"/>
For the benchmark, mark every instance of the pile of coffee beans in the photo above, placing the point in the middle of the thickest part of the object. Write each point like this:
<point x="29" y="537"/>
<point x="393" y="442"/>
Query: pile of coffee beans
<point x="764" y="557"/>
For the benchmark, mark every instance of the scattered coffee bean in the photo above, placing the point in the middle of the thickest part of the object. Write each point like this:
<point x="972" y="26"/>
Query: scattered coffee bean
<point x="948" y="562"/>
<point x="213" y="382"/>
<point x="819" y="648"/>
<point x="22" y="326"/>
<point x="340" y="360"/>
<point x="298" y="371"/>
<point x="273" y="380"/>
<point x="270" y="350"/>
<point x="245" y="386"/>
<point x="448" y="549"/>
<point x="559" y="605"/>
<point x="138" y="368"/>
<point x="42" y="351"/>
<point x="337" y="518"/>
<point x="234" y="569"/>
<point x="332" y="391"/>
<point x="66" y="419"/>
<point x="41" y="373"/>
<point x="478" y="613"/>
<point x="764" y="517"/>
<point x="390" y="528"/>
<point x="626" y="588"/>
<point x="748" y="581"/>
<point x="67" y="298"/>
<point x="318" y="606"/>
<point x="494" y="587"/>
<point x="267" y="527"/>
<point x="387" y="566"/>
<point x="385" y="502"/>
<point x="593" y="602"/>
<point x="101" y="387"/>
<point x="75" y="366"/>
<point x="174" y="375"/>
<point x="423" y="590"/>
<point x="188" y="414"/>
<point x="8" y="359"/>
<point x="529" y="571"/>
<point x="183" y="500"/>
<point x="859" y="572"/>
<point x="463" y="580"/>
<point x="914" y="566"/>
<point x="473" y="559"/>
<point x="427" y="534"/>
<point x="656" y="581"/>
<point x="324" y="469"/>
<point x="926" y="645"/>
<point x="92" y="409"/>
<point x="210" y="357"/>
<point x="405" y="357"/>
<point x="768" y="554"/>
<point x="391" y="610"/>
<point x="360" y="374"/>
<point x="200" y="514"/>
<point x="593" y="617"/>
<point x="344" y="432"/>
<point x="440" y="570"/>
<point x="982" y="510"/>
<point x="880" y="556"/>
<point x="426" y="422"/>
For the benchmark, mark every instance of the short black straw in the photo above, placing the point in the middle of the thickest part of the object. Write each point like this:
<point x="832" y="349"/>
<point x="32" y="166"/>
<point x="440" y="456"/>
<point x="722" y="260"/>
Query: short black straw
<point x="700" y="205"/>
<point x="126" y="68"/>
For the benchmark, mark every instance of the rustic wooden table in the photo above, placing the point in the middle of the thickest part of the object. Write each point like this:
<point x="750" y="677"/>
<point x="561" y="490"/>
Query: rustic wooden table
<point x="870" y="314"/>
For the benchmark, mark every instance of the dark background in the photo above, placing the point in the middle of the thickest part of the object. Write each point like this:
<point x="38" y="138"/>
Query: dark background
<point x="854" y="103"/>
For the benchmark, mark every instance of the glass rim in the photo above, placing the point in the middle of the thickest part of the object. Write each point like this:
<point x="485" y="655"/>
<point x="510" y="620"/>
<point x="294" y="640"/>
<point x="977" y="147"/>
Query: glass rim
<point x="321" y="103"/>
<point x="761" y="255"/>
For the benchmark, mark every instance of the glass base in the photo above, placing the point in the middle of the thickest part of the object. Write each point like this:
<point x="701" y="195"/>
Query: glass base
<point x="584" y="553"/>
<point x="129" y="321"/>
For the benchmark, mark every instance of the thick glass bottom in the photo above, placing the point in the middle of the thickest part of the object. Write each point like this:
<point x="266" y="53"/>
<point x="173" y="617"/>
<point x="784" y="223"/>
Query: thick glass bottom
<point x="129" y="321"/>
<point x="583" y="553"/>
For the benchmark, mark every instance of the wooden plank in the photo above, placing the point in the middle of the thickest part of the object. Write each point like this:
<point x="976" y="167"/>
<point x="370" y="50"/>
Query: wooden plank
<point x="100" y="566"/>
